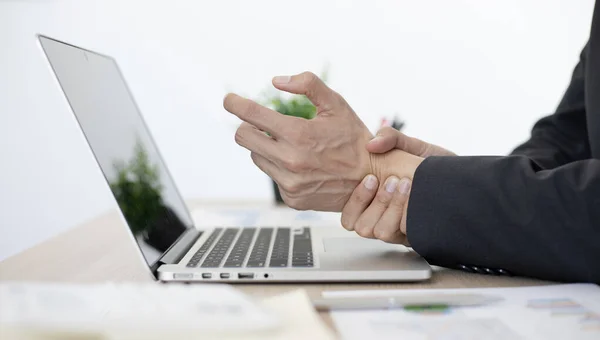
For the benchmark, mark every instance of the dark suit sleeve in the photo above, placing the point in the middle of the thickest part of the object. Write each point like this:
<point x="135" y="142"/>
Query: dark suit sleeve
<point x="507" y="213"/>
<point x="562" y="138"/>
<point x="534" y="213"/>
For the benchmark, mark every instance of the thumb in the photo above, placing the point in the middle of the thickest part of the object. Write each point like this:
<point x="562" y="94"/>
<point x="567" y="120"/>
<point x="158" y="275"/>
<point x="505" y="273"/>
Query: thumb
<point x="385" y="140"/>
<point x="308" y="84"/>
<point x="389" y="138"/>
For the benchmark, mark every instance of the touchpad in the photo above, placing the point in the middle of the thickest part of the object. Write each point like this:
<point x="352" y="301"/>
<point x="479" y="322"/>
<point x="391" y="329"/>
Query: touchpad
<point x="344" y="244"/>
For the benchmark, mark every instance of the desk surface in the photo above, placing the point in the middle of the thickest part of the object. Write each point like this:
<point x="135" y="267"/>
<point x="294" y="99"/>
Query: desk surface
<point x="100" y="251"/>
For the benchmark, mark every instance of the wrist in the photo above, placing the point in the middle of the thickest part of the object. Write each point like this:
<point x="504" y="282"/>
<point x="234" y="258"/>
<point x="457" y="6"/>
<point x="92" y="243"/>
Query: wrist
<point x="394" y="163"/>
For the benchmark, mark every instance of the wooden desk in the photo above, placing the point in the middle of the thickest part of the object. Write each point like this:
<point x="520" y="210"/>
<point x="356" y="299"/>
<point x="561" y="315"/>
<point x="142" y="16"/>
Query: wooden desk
<point x="100" y="251"/>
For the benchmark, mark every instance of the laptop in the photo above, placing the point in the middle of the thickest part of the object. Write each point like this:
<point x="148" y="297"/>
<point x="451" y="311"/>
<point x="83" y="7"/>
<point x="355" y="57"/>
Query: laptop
<point x="159" y="222"/>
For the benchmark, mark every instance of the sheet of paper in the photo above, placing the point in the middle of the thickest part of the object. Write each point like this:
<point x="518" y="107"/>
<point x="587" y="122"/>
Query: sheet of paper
<point x="299" y="320"/>
<point x="130" y="308"/>
<point x="547" y="312"/>
<point x="268" y="216"/>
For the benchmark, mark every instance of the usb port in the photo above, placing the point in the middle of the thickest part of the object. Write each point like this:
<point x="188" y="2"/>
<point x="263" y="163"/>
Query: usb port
<point x="245" y="275"/>
<point x="224" y="275"/>
<point x="206" y="275"/>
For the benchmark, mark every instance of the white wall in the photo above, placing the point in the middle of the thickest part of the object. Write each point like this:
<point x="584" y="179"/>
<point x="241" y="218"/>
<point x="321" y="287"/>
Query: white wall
<point x="469" y="75"/>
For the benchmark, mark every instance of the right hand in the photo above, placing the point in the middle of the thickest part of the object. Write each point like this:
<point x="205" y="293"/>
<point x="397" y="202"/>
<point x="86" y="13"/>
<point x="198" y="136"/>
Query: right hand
<point x="389" y="138"/>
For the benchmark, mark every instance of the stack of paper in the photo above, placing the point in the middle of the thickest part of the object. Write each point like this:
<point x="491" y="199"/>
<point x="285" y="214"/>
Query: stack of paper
<point x="547" y="312"/>
<point x="150" y="311"/>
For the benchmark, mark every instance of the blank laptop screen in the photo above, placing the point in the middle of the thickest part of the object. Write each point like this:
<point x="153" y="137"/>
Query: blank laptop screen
<point x="122" y="146"/>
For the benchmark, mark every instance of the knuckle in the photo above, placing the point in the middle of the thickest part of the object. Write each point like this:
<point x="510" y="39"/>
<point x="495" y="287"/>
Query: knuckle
<point x="291" y="187"/>
<point x="309" y="77"/>
<point x="383" y="234"/>
<point x="345" y="222"/>
<point x="309" y="82"/>
<point x="290" y="163"/>
<point x="382" y="198"/>
<point x="295" y="164"/>
<point x="363" y="232"/>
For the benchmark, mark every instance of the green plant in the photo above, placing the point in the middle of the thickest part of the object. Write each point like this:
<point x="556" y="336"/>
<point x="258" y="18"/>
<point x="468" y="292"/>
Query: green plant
<point x="137" y="189"/>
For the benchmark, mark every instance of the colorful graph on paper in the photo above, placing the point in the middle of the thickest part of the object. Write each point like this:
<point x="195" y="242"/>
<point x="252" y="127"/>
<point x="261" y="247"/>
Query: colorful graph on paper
<point x="554" y="312"/>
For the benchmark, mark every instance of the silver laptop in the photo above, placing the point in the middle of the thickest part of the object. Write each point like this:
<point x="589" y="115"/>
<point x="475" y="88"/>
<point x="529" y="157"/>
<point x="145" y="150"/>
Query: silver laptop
<point x="161" y="225"/>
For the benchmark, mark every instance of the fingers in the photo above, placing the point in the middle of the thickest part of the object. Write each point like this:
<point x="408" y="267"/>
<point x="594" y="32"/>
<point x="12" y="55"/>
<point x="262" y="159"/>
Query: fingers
<point x="251" y="138"/>
<point x="365" y="224"/>
<point x="359" y="201"/>
<point x="388" y="228"/>
<point x="309" y="85"/>
<point x="263" y="118"/>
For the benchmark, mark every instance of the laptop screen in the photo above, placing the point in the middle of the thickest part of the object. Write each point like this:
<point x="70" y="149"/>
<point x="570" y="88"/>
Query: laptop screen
<point x="122" y="146"/>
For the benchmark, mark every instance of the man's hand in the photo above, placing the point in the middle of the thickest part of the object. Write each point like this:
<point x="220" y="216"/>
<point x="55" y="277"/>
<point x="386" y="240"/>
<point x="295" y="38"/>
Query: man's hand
<point x="375" y="211"/>
<point x="389" y="138"/>
<point x="317" y="163"/>
<point x="379" y="214"/>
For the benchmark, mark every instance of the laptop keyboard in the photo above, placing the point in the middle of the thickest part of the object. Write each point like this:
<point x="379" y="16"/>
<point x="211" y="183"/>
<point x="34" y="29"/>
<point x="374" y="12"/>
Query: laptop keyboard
<point x="229" y="255"/>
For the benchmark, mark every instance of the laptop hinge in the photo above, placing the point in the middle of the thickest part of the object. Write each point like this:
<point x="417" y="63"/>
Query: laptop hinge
<point x="181" y="247"/>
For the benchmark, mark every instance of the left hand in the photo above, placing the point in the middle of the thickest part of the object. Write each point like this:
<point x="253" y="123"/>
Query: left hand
<point x="379" y="211"/>
<point x="316" y="163"/>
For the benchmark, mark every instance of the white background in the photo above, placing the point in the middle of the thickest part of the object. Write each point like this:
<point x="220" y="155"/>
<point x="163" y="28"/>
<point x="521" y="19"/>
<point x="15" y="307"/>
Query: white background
<point x="470" y="75"/>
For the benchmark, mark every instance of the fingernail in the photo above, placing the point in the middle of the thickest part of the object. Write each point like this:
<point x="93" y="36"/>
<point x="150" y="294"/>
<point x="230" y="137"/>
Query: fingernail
<point x="370" y="182"/>
<point x="282" y="79"/>
<point x="391" y="184"/>
<point x="404" y="186"/>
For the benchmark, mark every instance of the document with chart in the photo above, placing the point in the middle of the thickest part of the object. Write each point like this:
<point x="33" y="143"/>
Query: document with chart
<point x="570" y="311"/>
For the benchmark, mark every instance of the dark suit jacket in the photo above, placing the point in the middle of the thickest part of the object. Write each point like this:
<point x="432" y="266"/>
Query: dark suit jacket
<point x="533" y="213"/>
